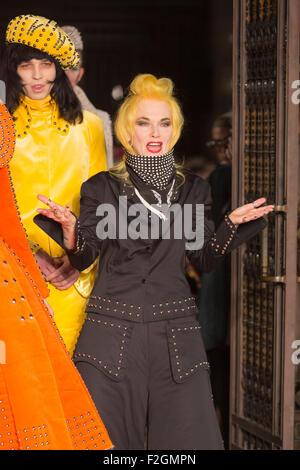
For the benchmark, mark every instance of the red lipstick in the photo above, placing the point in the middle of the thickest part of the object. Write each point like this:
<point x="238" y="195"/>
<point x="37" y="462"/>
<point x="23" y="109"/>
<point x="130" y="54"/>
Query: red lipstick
<point x="154" y="147"/>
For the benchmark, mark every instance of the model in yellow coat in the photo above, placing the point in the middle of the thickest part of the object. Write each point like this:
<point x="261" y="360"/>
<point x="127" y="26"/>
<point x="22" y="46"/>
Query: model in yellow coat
<point x="58" y="147"/>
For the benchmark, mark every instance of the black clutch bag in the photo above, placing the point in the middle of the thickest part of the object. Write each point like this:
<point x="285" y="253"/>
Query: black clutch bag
<point x="51" y="227"/>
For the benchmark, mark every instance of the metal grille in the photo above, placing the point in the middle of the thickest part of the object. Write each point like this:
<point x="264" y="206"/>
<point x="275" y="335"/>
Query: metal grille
<point x="260" y="179"/>
<point x="264" y="320"/>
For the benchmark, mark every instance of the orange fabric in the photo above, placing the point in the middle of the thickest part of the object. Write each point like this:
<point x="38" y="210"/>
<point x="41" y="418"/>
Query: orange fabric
<point x="10" y="226"/>
<point x="12" y="231"/>
<point x="44" y="403"/>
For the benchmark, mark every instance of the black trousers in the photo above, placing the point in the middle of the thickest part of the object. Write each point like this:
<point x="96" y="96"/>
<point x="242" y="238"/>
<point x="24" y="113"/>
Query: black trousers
<point x="150" y="382"/>
<point x="219" y="359"/>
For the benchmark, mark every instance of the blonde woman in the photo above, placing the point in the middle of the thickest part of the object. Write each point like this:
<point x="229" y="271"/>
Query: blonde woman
<point x="140" y="352"/>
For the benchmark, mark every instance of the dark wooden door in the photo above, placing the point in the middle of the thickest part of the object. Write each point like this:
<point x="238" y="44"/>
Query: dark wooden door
<point x="265" y="313"/>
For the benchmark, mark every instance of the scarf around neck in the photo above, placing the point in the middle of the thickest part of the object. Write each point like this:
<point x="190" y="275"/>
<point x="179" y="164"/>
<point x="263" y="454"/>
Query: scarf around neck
<point x="156" y="171"/>
<point x="154" y="177"/>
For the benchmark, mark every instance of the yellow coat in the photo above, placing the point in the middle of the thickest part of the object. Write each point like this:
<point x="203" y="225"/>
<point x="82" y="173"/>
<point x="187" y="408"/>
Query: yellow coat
<point x="54" y="158"/>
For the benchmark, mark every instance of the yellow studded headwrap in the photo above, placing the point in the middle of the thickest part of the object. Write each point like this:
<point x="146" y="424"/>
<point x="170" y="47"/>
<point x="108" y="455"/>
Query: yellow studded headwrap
<point x="45" y="35"/>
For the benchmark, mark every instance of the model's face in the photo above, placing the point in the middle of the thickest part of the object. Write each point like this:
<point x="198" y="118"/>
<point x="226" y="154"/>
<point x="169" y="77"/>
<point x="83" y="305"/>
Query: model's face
<point x="75" y="75"/>
<point x="152" y="130"/>
<point x="37" y="76"/>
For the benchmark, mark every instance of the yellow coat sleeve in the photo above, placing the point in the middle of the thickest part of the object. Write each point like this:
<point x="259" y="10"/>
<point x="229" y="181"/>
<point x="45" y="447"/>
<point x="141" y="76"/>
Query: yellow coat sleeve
<point x="97" y="163"/>
<point x="97" y="143"/>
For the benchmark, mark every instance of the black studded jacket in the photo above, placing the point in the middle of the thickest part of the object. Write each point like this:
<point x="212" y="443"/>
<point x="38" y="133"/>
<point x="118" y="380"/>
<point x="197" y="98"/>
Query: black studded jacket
<point x="144" y="279"/>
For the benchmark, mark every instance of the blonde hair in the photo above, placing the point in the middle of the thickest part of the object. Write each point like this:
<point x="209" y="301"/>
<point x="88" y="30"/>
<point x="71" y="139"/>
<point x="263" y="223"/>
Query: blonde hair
<point x="145" y="86"/>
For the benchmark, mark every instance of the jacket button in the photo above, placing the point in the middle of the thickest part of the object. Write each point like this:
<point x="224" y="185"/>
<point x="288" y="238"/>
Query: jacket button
<point x="143" y="281"/>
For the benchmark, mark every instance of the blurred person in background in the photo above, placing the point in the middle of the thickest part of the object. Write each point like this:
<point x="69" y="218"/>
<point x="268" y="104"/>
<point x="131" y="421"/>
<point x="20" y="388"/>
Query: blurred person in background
<point x="201" y="165"/>
<point x="75" y="75"/>
<point x="214" y="310"/>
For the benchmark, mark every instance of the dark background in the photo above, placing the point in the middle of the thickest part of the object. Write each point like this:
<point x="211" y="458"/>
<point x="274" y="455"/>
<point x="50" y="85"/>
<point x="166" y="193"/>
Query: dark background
<point x="189" y="41"/>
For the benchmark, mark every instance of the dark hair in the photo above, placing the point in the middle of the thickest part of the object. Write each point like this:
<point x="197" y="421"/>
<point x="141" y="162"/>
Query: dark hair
<point x="69" y="105"/>
<point x="225" y="120"/>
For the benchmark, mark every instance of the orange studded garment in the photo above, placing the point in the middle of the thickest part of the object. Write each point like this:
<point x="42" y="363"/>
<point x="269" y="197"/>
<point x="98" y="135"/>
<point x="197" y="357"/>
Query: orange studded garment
<point x="44" y="403"/>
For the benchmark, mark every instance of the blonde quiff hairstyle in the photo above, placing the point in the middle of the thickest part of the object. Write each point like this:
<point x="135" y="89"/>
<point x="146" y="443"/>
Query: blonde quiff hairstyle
<point x="145" y="86"/>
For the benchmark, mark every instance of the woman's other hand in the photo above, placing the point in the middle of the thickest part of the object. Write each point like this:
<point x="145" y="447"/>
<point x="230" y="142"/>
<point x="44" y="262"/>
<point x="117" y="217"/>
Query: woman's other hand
<point x="65" y="275"/>
<point x="251" y="211"/>
<point x="62" y="215"/>
<point x="45" y="262"/>
<point x="58" y="271"/>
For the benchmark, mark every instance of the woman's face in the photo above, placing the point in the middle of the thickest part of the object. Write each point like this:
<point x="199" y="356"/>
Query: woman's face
<point x="37" y="77"/>
<point x="153" y="129"/>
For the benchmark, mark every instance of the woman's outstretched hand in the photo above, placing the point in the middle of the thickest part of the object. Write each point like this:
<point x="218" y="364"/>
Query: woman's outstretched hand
<point x="251" y="211"/>
<point x="63" y="215"/>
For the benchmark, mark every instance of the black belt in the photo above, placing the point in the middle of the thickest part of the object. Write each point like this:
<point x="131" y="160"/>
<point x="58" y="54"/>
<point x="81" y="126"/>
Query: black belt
<point x="163" y="310"/>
